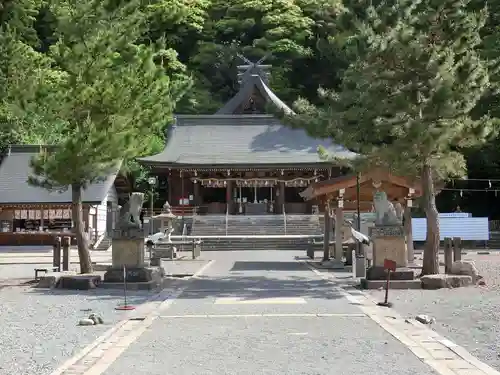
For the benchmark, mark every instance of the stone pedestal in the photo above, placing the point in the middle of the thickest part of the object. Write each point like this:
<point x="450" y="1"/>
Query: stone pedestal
<point x="128" y="251"/>
<point x="389" y="242"/>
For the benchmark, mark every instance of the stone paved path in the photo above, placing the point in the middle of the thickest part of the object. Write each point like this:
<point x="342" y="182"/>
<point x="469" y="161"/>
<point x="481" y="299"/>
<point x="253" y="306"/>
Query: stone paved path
<point x="266" y="313"/>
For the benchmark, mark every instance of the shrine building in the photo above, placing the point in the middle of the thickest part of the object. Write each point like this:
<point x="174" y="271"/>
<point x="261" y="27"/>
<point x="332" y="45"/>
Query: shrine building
<point x="242" y="160"/>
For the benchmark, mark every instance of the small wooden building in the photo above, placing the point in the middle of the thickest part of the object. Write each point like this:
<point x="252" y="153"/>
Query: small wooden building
<point x="341" y="194"/>
<point x="32" y="215"/>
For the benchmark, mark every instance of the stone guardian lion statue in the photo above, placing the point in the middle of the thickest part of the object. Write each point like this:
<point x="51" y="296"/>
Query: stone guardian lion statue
<point x="131" y="211"/>
<point x="384" y="209"/>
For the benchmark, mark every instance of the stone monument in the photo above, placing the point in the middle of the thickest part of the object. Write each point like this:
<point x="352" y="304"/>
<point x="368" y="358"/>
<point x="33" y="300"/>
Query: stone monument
<point x="387" y="234"/>
<point x="388" y="242"/>
<point x="128" y="247"/>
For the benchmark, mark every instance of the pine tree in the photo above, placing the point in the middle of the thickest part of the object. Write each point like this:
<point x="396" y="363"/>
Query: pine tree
<point x="405" y="101"/>
<point x="110" y="94"/>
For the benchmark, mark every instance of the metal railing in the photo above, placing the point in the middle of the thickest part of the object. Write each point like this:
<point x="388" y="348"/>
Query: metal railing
<point x="99" y="240"/>
<point x="249" y="237"/>
<point x="284" y="217"/>
<point x="176" y="210"/>
<point x="184" y="231"/>
<point x="227" y="217"/>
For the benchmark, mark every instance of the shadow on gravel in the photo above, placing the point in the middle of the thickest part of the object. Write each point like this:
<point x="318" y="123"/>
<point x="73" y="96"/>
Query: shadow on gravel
<point x="100" y="293"/>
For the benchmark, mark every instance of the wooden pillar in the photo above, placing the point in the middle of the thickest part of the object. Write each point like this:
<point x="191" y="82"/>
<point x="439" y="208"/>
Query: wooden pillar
<point x="281" y="203"/>
<point x="326" y="231"/>
<point x="169" y="183"/>
<point x="339" y="223"/>
<point x="197" y="193"/>
<point x="42" y="224"/>
<point x="229" y="196"/>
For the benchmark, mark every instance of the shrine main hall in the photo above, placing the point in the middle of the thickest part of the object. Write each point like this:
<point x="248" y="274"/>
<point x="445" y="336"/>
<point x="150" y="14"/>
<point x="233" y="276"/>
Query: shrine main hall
<point x="242" y="160"/>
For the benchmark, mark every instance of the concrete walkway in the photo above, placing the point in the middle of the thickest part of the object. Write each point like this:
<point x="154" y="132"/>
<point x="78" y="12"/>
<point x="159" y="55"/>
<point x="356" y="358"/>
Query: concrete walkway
<point x="267" y="313"/>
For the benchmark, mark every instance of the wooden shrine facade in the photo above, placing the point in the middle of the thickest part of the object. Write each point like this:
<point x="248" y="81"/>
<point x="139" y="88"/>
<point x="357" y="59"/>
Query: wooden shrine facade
<point x="241" y="190"/>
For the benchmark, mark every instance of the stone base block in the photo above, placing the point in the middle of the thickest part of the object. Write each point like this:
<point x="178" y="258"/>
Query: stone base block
<point x="79" y="282"/>
<point x="148" y="285"/>
<point x="51" y="279"/>
<point x="332" y="264"/>
<point x="393" y="284"/>
<point x="445" y="281"/>
<point x="379" y="273"/>
<point x="135" y="275"/>
<point x="127" y="252"/>
<point x="101" y="266"/>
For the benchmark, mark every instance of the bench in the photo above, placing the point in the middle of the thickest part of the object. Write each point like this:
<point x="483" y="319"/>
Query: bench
<point x="45" y="270"/>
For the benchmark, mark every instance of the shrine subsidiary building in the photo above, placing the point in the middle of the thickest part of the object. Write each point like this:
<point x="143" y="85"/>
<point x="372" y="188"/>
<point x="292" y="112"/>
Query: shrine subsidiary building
<point x="242" y="160"/>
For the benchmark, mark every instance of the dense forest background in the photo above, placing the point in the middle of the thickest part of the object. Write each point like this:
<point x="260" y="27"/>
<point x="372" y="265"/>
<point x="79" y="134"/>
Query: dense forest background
<point x="201" y="40"/>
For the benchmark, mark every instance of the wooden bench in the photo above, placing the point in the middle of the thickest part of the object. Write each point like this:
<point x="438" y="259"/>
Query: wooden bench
<point x="45" y="270"/>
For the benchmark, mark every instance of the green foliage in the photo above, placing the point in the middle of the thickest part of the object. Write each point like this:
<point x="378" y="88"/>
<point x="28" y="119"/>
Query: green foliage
<point x="406" y="100"/>
<point x="113" y="95"/>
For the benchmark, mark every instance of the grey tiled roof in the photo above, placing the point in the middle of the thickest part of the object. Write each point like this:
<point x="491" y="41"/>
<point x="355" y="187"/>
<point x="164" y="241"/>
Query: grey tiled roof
<point x="211" y="140"/>
<point x="253" y="82"/>
<point x="14" y="188"/>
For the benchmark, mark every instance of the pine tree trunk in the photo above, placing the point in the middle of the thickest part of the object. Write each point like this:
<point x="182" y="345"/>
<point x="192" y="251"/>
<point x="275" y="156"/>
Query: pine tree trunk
<point x="81" y="240"/>
<point x="431" y="251"/>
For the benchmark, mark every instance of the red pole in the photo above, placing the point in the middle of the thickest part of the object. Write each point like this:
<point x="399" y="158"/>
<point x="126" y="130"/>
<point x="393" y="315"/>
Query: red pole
<point x="386" y="300"/>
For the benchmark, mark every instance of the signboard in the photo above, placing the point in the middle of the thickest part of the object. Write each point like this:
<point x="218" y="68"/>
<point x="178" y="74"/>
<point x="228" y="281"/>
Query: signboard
<point x="389" y="265"/>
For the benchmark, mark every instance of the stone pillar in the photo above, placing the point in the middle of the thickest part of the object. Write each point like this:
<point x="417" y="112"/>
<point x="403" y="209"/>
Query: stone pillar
<point x="66" y="243"/>
<point x="339" y="223"/>
<point x="408" y="233"/>
<point x="326" y="231"/>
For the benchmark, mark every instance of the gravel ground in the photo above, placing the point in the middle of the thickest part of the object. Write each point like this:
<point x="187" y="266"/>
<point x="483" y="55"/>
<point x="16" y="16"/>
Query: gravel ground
<point x="40" y="326"/>
<point x="469" y="316"/>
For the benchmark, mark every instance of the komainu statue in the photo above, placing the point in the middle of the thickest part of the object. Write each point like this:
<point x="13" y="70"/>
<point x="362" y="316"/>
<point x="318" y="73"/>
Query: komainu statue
<point x="131" y="211"/>
<point x="385" y="212"/>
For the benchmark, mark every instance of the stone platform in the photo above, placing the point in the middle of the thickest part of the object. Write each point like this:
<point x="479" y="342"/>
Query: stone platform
<point x="134" y="274"/>
<point x="379" y="273"/>
<point x="393" y="284"/>
<point x="79" y="282"/>
<point x="445" y="281"/>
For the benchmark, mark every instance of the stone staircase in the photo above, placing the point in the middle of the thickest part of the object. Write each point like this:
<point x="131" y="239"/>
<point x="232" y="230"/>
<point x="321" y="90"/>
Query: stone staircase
<point x="251" y="225"/>
<point x="303" y="224"/>
<point x="104" y="244"/>
<point x="209" y="225"/>
<point x="256" y="225"/>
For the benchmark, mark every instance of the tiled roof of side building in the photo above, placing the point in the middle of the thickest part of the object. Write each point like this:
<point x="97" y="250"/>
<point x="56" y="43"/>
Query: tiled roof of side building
<point x="14" y="187"/>
<point x="210" y="140"/>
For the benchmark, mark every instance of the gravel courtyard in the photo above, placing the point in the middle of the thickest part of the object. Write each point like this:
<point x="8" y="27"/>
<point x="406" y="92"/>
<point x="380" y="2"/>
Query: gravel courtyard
<point x="469" y="316"/>
<point x="39" y="327"/>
